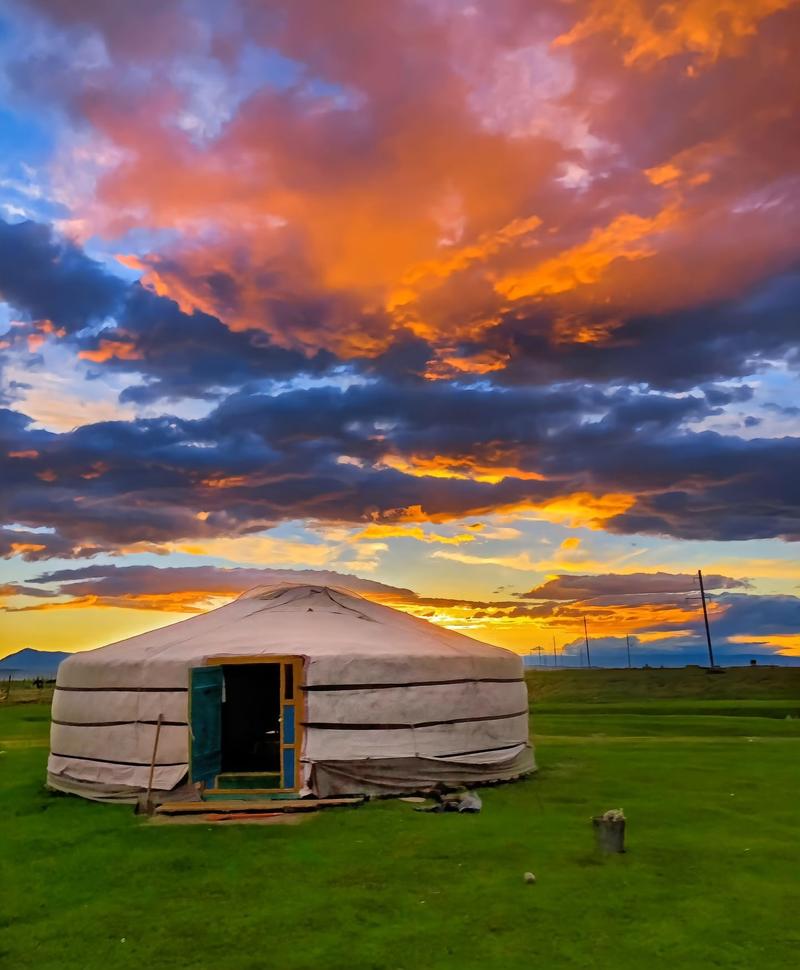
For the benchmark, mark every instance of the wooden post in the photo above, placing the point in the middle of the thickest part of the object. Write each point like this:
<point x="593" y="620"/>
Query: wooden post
<point x="148" y="805"/>
<point x="586" y="638"/>
<point x="705" y="617"/>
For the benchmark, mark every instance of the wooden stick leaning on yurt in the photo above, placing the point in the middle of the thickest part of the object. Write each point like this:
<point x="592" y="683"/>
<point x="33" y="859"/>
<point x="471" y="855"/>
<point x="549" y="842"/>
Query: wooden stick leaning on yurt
<point x="147" y="804"/>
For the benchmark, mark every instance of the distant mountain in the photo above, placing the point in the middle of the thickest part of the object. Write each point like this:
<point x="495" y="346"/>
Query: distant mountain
<point x="32" y="663"/>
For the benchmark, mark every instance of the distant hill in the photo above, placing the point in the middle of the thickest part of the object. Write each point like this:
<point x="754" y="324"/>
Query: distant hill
<point x="32" y="663"/>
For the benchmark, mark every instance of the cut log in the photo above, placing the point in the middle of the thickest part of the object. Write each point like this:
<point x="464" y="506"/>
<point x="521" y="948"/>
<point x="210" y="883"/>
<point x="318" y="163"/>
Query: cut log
<point x="609" y="831"/>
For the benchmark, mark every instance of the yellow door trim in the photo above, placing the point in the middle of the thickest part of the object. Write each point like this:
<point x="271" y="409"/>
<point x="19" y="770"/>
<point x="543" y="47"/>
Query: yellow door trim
<point x="295" y="701"/>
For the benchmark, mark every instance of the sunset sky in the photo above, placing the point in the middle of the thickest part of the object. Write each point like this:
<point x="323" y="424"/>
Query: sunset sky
<point x="491" y="306"/>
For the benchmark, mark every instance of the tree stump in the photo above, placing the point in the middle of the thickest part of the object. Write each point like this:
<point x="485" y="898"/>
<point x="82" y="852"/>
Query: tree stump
<point x="609" y="831"/>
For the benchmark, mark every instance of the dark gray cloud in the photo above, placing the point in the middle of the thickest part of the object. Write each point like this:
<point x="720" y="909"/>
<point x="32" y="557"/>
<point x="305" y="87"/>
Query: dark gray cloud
<point x="53" y="284"/>
<point x="676" y="350"/>
<point x="669" y="652"/>
<point x="333" y="454"/>
<point x="33" y="546"/>
<point x="190" y="355"/>
<point x="621" y="585"/>
<point x="322" y="453"/>
<point x="188" y="587"/>
<point x="757" y="615"/>
<point x="50" y="278"/>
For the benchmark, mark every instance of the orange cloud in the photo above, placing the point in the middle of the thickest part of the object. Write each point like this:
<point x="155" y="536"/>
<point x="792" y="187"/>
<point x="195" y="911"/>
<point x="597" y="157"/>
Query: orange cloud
<point x="19" y="548"/>
<point x="788" y="643"/>
<point x="576" y="510"/>
<point x="628" y="237"/>
<point x="463" y="467"/>
<point x="567" y="330"/>
<point x="343" y="221"/>
<point x="377" y="531"/>
<point x="580" y="508"/>
<point x="96" y="470"/>
<point x="43" y="328"/>
<point x="29" y="453"/>
<point x="693" y="166"/>
<point x="109" y="349"/>
<point x="514" y="625"/>
<point x="456" y="261"/>
<point x="662" y="174"/>
<point x="651" y="32"/>
<point x="225" y="481"/>
<point x="620" y="618"/>
<point x="447" y="366"/>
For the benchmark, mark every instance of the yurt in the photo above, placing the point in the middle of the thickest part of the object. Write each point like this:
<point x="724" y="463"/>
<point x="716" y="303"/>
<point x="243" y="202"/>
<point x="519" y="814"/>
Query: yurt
<point x="293" y="688"/>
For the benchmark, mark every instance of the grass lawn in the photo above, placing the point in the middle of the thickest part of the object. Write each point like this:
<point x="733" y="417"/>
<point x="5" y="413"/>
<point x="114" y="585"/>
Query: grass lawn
<point x="711" y="879"/>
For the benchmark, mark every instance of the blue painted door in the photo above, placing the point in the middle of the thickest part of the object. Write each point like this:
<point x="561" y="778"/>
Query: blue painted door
<point x="290" y="742"/>
<point x="288" y="748"/>
<point x="205" y="721"/>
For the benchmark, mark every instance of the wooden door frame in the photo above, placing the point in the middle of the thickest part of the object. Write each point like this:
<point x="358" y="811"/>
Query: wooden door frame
<point x="298" y="663"/>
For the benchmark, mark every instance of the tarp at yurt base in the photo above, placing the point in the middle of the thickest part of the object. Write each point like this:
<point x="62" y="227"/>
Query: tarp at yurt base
<point x="290" y="688"/>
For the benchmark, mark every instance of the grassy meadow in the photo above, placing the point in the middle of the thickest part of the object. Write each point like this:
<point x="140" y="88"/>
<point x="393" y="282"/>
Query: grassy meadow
<point x="707" y="769"/>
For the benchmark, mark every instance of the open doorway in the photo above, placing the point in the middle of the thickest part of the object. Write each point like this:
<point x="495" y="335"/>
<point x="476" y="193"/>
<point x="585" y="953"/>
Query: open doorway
<point x="245" y="724"/>
<point x="251" y="718"/>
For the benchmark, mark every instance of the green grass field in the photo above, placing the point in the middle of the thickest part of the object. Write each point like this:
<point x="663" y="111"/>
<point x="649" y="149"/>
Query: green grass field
<point x="710" y="784"/>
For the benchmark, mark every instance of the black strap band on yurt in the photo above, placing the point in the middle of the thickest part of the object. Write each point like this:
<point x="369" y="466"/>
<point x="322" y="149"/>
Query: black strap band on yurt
<point x="333" y="726"/>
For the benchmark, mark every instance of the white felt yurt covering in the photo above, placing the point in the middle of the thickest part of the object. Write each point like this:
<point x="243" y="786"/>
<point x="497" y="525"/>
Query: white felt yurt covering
<point x="390" y="703"/>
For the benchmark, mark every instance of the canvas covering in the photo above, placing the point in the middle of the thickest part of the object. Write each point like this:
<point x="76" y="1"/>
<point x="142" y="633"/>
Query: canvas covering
<point x="390" y="702"/>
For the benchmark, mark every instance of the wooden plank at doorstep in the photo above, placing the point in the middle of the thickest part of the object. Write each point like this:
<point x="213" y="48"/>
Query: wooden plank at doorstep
<point x="268" y="805"/>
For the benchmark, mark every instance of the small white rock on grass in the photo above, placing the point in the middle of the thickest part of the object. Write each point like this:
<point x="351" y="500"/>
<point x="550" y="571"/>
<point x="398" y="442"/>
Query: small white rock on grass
<point x="529" y="877"/>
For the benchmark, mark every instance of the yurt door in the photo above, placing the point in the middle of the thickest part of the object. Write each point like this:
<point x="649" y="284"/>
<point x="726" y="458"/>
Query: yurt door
<point x="205" y="715"/>
<point x="248" y="729"/>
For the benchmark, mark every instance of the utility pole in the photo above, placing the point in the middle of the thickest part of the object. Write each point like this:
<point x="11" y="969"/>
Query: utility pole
<point x="539" y="649"/>
<point x="628" y="648"/>
<point x="555" y="652"/>
<point x="586" y="638"/>
<point x="705" y="617"/>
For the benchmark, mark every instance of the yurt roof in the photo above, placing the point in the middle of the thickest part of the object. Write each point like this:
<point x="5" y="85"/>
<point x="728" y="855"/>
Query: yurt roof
<point x="295" y="619"/>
